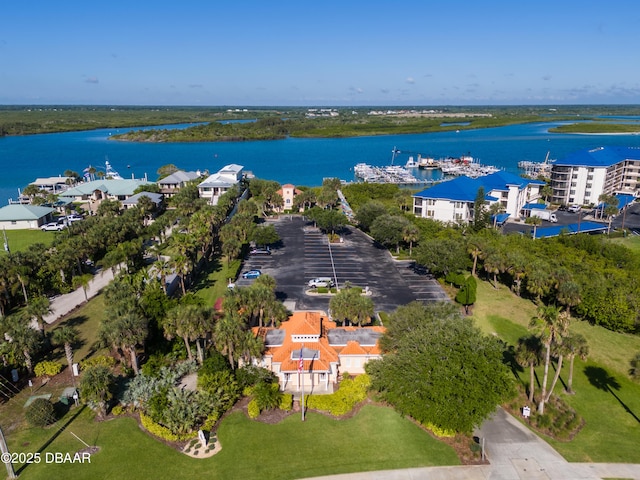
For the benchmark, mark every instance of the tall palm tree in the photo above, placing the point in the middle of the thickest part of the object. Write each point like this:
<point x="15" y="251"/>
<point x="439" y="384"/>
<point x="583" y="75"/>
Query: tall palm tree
<point x="528" y="355"/>
<point x="25" y="341"/>
<point x="66" y="336"/>
<point x="37" y="309"/>
<point x="551" y="326"/>
<point x="82" y="281"/>
<point x="576" y="345"/>
<point x="228" y="336"/>
<point x="191" y="323"/>
<point x="125" y="332"/>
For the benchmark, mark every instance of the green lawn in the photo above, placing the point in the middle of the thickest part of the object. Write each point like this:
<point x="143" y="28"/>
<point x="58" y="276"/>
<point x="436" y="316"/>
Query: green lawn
<point x="86" y="319"/>
<point x="605" y="396"/>
<point x="376" y="438"/>
<point x="212" y="283"/>
<point x="20" y="240"/>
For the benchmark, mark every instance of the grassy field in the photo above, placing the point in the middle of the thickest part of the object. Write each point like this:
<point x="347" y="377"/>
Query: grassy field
<point x="20" y="240"/>
<point x="605" y="396"/>
<point x="376" y="438"/>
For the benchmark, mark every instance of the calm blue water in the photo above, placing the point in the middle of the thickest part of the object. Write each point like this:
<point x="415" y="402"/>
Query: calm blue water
<point x="294" y="160"/>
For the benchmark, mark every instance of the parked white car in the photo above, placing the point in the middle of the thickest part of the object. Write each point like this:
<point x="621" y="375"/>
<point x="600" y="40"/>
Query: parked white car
<point x="320" y="282"/>
<point x="52" y="227"/>
<point x="574" y="208"/>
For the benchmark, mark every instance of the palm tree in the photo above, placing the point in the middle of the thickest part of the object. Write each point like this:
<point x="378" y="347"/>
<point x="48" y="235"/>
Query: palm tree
<point x="410" y="234"/>
<point x="228" y="336"/>
<point x="95" y="387"/>
<point x="66" y="336"/>
<point x="125" y="332"/>
<point x="576" y="345"/>
<point x="25" y="341"/>
<point x="37" y="309"/>
<point x="82" y="281"/>
<point x="190" y="322"/>
<point x="551" y="326"/>
<point x="535" y="221"/>
<point x="528" y="354"/>
<point x="568" y="294"/>
<point x="350" y="305"/>
<point x="180" y="264"/>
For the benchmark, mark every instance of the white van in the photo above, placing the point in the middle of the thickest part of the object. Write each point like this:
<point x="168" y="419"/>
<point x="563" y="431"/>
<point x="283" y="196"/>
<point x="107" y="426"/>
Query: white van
<point x="320" y="282"/>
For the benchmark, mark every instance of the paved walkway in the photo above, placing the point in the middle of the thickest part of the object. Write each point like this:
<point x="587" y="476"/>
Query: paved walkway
<point x="515" y="453"/>
<point x="63" y="304"/>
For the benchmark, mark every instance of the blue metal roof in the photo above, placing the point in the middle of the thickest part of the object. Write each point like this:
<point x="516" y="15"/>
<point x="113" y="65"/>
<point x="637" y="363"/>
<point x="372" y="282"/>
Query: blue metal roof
<point x="599" y="157"/>
<point x="460" y="189"/>
<point x="623" y="201"/>
<point x="554" y="231"/>
<point x="501" y="180"/>
<point x="465" y="189"/>
<point x="531" y="206"/>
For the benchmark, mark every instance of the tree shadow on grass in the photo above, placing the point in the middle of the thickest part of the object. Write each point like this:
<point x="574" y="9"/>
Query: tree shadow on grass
<point x="600" y="378"/>
<point x="55" y="435"/>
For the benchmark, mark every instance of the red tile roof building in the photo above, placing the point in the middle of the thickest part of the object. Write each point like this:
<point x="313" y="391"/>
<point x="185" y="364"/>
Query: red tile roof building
<point x="328" y="351"/>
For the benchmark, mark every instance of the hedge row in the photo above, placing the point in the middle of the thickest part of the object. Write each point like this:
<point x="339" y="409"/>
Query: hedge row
<point x="350" y="393"/>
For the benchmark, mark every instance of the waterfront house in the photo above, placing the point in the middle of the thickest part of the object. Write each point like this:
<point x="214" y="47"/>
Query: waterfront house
<point x="453" y="200"/>
<point x="53" y="185"/>
<point x="328" y="351"/>
<point x="581" y="177"/>
<point x="171" y="184"/>
<point x="18" y="216"/>
<point x="220" y="182"/>
<point x="94" y="192"/>
<point x="157" y="199"/>
<point x="288" y="192"/>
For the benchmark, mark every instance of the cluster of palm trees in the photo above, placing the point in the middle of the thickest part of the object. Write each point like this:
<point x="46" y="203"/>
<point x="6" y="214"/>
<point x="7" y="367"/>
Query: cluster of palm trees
<point x="551" y="338"/>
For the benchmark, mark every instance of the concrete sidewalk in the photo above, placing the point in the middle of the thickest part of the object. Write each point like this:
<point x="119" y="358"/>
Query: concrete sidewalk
<point x="514" y="453"/>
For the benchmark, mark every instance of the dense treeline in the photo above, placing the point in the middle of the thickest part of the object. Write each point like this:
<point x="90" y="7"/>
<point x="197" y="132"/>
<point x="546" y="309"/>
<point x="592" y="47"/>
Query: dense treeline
<point x="587" y="275"/>
<point x="25" y="120"/>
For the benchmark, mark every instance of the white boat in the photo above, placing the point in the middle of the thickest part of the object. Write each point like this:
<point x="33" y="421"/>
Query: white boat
<point x="411" y="163"/>
<point x="109" y="172"/>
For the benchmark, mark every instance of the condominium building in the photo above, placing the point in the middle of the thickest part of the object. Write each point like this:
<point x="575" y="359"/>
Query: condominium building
<point x="581" y="177"/>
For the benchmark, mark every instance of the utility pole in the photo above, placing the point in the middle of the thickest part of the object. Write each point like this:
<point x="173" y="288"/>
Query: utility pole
<point x="6" y="457"/>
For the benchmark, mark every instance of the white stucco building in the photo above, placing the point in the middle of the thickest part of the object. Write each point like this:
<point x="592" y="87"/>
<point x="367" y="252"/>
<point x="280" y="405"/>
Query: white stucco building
<point x="580" y="178"/>
<point x="452" y="201"/>
<point x="217" y="184"/>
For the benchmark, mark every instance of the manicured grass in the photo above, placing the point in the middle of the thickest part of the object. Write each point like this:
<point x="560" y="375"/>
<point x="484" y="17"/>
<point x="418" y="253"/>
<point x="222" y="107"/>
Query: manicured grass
<point x="612" y="429"/>
<point x="212" y="283"/>
<point x="21" y="240"/>
<point x="631" y="241"/>
<point x="376" y="438"/>
<point x="86" y="320"/>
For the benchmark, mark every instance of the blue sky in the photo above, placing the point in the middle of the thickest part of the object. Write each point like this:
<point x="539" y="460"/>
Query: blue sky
<point x="319" y="53"/>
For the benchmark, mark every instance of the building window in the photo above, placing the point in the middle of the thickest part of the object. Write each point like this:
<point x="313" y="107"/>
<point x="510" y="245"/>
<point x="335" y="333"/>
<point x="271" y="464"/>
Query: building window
<point x="458" y="216"/>
<point x="322" y="377"/>
<point x="430" y="213"/>
<point x="418" y="211"/>
<point x="572" y="192"/>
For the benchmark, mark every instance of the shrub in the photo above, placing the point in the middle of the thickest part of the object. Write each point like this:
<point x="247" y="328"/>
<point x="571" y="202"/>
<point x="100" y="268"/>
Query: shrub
<point x="286" y="402"/>
<point x="253" y="409"/>
<point x="102" y="360"/>
<point x="47" y="368"/>
<point x="162" y="432"/>
<point x="322" y="290"/>
<point x="40" y="413"/>
<point x="440" y="432"/>
<point x="351" y="392"/>
<point x="118" y="410"/>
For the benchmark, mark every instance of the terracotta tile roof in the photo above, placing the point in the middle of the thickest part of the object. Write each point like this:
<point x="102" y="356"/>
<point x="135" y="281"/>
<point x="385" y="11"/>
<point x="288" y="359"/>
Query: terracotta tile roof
<point x="310" y="323"/>
<point x="353" y="348"/>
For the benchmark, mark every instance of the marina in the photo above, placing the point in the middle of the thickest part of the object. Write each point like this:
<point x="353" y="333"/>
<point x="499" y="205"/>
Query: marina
<point x="300" y="161"/>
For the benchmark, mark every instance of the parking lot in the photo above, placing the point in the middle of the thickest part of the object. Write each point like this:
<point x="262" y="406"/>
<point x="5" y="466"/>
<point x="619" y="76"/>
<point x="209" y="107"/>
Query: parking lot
<point x="305" y="253"/>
